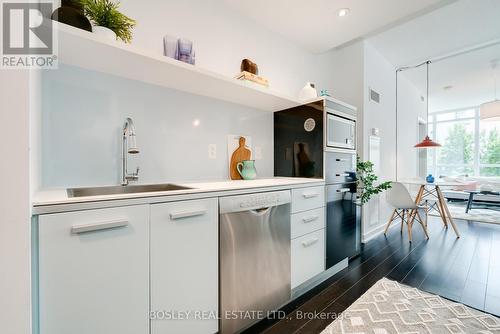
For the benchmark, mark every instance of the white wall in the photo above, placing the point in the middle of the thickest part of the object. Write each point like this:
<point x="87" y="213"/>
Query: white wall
<point x="83" y="114"/>
<point x="410" y="109"/>
<point x="15" y="292"/>
<point x="222" y="38"/>
<point x="343" y="74"/>
<point x="379" y="75"/>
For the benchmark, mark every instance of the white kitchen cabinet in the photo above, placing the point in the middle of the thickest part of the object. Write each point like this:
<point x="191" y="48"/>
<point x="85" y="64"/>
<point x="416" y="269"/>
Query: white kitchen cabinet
<point x="307" y="221"/>
<point x="307" y="198"/>
<point x="184" y="266"/>
<point x="307" y="256"/>
<point x="93" y="271"/>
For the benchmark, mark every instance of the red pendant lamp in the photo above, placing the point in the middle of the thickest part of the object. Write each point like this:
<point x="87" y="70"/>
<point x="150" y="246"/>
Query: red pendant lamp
<point x="427" y="142"/>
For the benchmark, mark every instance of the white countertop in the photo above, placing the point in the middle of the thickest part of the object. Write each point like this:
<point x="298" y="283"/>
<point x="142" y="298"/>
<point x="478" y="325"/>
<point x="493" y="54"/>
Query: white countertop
<point x="57" y="200"/>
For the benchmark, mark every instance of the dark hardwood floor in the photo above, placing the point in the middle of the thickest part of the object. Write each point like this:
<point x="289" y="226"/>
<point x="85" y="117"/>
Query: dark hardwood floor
<point x="465" y="270"/>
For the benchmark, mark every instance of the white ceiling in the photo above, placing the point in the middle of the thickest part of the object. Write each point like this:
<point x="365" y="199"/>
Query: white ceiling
<point x="315" y="25"/>
<point x="470" y="76"/>
<point x="459" y="25"/>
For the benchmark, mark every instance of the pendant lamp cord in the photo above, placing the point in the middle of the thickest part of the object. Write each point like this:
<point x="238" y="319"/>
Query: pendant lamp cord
<point x="427" y="98"/>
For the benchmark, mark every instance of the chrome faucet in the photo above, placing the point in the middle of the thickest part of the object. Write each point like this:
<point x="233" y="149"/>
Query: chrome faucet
<point x="129" y="146"/>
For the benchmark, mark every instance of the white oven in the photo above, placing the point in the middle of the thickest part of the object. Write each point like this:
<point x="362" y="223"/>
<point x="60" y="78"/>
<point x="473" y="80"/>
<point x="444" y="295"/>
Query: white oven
<point x="340" y="130"/>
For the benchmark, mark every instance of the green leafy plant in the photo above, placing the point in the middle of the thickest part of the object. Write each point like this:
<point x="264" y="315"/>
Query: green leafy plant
<point x="367" y="180"/>
<point x="105" y="13"/>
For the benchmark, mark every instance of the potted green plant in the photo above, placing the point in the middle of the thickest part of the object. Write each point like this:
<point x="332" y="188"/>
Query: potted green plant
<point x="107" y="20"/>
<point x="367" y="181"/>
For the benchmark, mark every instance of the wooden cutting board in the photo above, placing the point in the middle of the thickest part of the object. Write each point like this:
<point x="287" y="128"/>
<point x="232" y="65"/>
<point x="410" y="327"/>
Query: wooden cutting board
<point x="240" y="154"/>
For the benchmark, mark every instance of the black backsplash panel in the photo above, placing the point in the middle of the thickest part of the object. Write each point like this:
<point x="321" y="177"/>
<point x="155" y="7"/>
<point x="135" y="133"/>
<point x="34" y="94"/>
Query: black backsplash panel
<point x="298" y="152"/>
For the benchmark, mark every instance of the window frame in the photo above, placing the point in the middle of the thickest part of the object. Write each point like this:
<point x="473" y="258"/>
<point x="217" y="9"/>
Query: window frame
<point x="432" y="154"/>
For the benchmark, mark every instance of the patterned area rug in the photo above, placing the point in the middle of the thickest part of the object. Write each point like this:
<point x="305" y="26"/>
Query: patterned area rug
<point x="390" y="307"/>
<point x="478" y="213"/>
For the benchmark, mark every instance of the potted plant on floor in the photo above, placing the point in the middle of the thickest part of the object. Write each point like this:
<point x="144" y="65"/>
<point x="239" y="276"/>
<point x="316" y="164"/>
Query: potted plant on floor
<point x="107" y="20"/>
<point x="367" y="181"/>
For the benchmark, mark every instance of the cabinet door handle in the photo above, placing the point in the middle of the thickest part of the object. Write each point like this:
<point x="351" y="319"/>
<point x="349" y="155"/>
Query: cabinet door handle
<point x="310" y="195"/>
<point x="106" y="225"/>
<point x="345" y="174"/>
<point x="310" y="219"/>
<point x="343" y="190"/>
<point x="187" y="214"/>
<point x="310" y="242"/>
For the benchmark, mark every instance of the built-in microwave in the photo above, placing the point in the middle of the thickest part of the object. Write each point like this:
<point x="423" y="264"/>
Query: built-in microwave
<point x="340" y="130"/>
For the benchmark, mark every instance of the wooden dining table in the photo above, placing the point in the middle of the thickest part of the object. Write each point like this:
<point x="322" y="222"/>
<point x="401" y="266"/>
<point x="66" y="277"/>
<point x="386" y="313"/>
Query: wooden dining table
<point x="431" y="195"/>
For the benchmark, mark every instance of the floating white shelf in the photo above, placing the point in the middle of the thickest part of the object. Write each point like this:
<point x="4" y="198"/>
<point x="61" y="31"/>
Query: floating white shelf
<point x="83" y="49"/>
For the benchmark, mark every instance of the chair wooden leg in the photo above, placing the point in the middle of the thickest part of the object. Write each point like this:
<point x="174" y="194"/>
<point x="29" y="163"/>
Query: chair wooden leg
<point x="402" y="220"/>
<point x="412" y="216"/>
<point x="409" y="228"/>
<point x="390" y="221"/>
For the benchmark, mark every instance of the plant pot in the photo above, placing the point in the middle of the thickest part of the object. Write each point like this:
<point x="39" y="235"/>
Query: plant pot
<point x="71" y="13"/>
<point x="104" y="32"/>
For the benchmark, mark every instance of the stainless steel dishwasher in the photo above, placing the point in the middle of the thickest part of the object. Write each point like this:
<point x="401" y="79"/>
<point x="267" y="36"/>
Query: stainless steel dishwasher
<point x="254" y="257"/>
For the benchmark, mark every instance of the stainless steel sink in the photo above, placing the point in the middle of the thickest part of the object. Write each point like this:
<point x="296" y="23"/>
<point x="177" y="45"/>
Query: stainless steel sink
<point x="113" y="190"/>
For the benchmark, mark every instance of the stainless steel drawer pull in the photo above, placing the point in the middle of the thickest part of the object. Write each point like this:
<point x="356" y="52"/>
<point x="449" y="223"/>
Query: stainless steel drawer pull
<point x="310" y="242"/>
<point x="187" y="214"/>
<point x="310" y="195"/>
<point x="310" y="219"/>
<point x="106" y="225"/>
<point x="345" y="174"/>
<point x="343" y="190"/>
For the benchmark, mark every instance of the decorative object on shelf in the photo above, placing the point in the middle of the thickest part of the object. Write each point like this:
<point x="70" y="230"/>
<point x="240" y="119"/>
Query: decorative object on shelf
<point x="179" y="49"/>
<point x="491" y="110"/>
<point x="186" y="52"/>
<point x="247" y="170"/>
<point x="105" y="16"/>
<point x="252" y="78"/>
<point x="366" y="181"/>
<point x="324" y="92"/>
<point x="171" y="46"/>
<point x="249" y="66"/>
<point x="71" y="13"/>
<point x="429" y="178"/>
<point x="427" y="142"/>
<point x="308" y="92"/>
<point x="240" y="154"/>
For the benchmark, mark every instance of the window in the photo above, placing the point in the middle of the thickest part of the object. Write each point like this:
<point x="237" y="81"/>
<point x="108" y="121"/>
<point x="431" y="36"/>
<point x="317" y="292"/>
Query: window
<point x="469" y="146"/>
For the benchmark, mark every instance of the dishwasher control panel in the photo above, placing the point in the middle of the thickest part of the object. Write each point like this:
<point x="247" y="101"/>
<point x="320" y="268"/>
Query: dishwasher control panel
<point x="254" y="201"/>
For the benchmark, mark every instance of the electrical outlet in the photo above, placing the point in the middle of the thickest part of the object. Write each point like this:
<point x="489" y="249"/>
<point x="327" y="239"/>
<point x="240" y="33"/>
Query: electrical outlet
<point x="212" y="151"/>
<point x="258" y="153"/>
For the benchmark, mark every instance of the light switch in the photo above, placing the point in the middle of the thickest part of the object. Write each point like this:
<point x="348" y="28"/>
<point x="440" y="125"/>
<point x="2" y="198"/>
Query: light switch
<point x="212" y="151"/>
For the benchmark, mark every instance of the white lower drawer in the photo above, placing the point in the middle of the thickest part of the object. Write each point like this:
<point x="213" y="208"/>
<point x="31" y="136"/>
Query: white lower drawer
<point x="307" y="222"/>
<point x="307" y="198"/>
<point x="307" y="256"/>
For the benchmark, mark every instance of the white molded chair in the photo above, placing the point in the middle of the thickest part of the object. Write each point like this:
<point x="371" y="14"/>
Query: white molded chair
<point x="405" y="208"/>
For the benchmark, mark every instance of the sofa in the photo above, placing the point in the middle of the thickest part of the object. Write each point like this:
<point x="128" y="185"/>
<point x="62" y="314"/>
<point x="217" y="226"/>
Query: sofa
<point x="481" y="184"/>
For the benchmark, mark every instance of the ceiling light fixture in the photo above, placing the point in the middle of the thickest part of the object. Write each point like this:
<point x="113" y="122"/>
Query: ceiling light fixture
<point x="427" y="142"/>
<point x="491" y="110"/>
<point x="343" y="12"/>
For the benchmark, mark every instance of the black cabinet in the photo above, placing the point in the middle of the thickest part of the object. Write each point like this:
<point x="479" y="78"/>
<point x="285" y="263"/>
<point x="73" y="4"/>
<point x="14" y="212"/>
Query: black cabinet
<point x="343" y="223"/>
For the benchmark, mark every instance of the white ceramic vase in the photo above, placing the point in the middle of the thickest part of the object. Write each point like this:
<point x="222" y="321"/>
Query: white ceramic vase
<point x="104" y="32"/>
<point x="308" y="92"/>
